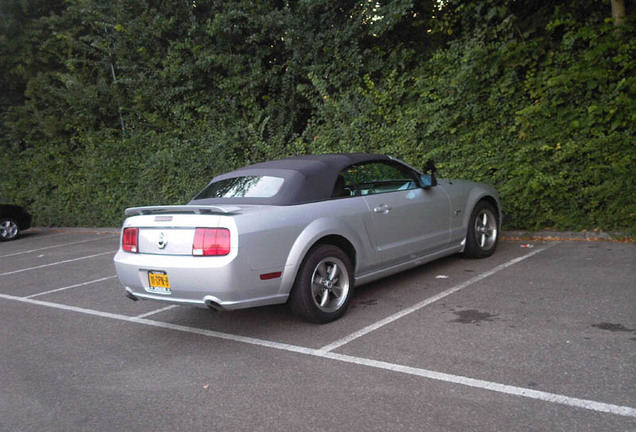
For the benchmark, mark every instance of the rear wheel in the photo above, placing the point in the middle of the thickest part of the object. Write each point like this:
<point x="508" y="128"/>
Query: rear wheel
<point x="324" y="285"/>
<point x="9" y="229"/>
<point x="483" y="233"/>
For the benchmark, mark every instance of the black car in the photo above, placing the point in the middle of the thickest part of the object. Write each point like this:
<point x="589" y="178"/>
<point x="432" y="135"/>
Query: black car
<point x="13" y="220"/>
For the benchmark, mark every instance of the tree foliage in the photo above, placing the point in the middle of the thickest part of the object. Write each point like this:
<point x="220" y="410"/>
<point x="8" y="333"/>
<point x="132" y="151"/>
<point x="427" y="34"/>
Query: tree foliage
<point x="112" y="104"/>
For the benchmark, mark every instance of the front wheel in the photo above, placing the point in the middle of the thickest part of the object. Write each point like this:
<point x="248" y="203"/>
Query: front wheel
<point x="324" y="285"/>
<point x="9" y="229"/>
<point x="482" y="235"/>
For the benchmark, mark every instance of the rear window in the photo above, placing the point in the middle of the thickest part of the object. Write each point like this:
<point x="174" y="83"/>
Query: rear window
<point x="243" y="187"/>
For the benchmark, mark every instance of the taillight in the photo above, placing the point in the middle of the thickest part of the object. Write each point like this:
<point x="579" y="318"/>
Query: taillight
<point x="211" y="241"/>
<point x="129" y="240"/>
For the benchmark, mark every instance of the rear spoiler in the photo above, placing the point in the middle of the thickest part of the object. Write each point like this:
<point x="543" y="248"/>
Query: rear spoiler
<point x="195" y="209"/>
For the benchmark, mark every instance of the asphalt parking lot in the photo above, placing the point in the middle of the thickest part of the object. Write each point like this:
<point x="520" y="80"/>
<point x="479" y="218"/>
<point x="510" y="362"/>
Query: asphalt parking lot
<point x="539" y="337"/>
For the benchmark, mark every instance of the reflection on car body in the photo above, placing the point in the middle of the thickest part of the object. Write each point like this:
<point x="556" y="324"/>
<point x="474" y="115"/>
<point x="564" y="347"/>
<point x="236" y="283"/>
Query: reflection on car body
<point x="303" y="230"/>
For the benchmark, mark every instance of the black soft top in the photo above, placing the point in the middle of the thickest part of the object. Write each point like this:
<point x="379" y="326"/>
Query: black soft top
<point x="307" y="178"/>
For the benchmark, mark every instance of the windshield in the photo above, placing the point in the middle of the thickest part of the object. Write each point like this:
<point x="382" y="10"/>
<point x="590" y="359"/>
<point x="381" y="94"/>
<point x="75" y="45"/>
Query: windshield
<point x="242" y="187"/>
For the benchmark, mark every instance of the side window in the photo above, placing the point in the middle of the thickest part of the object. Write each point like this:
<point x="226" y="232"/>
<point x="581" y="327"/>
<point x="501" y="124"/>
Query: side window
<point x="376" y="177"/>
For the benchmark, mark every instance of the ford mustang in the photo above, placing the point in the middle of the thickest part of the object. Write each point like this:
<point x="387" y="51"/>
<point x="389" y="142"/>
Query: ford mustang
<point x="303" y="230"/>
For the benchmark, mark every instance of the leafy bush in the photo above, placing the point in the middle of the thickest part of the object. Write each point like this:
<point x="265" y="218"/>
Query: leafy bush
<point x="105" y="106"/>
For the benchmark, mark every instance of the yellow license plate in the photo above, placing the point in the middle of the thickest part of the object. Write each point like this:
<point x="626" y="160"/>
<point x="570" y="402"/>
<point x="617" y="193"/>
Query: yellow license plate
<point x="159" y="283"/>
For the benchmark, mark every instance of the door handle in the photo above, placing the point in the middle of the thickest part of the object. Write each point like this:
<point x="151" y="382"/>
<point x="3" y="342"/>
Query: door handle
<point x="383" y="208"/>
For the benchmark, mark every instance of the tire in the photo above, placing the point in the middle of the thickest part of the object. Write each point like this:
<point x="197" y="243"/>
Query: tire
<point x="483" y="231"/>
<point x="324" y="285"/>
<point x="9" y="229"/>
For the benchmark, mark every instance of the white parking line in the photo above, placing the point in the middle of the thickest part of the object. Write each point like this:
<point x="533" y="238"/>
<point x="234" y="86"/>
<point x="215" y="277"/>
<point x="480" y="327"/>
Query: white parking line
<point x="488" y="385"/>
<point x="586" y="404"/>
<point x="368" y="329"/>
<point x="55" y="246"/>
<point x="156" y="311"/>
<point x="71" y="286"/>
<point x="55" y="263"/>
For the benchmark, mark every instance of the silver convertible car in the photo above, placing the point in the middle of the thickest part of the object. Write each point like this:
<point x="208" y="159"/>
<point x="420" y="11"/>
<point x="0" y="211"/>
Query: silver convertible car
<point x="303" y="230"/>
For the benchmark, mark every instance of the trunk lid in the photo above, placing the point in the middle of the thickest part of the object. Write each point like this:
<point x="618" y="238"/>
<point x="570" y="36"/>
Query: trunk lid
<point x="169" y="230"/>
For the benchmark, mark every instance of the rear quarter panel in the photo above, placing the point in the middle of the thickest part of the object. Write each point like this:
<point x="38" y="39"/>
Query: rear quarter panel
<point x="279" y="237"/>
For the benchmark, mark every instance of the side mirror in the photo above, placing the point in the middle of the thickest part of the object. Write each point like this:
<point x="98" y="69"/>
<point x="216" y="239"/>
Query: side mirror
<point x="428" y="179"/>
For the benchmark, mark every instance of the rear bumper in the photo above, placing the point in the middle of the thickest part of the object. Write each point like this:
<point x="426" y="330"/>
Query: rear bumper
<point x="209" y="301"/>
<point x="215" y="282"/>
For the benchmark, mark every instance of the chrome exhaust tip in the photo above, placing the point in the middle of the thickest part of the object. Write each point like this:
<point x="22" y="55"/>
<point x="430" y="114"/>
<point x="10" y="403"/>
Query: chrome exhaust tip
<point x="213" y="305"/>
<point x="130" y="295"/>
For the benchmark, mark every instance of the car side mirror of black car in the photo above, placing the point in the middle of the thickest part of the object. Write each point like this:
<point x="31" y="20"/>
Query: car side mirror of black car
<point x="428" y="179"/>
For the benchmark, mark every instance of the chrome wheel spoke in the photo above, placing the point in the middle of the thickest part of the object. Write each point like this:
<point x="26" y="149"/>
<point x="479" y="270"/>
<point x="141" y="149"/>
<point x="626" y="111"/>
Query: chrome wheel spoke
<point x="334" y="272"/>
<point x="317" y="287"/>
<point x="324" y="298"/>
<point x="322" y="270"/>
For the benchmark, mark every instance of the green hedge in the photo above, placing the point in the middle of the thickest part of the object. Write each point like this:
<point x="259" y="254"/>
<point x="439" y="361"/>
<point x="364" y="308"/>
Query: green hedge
<point x="538" y="103"/>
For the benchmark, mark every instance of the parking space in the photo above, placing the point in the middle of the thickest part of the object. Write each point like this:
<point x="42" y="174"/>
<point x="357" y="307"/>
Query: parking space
<point x="529" y="327"/>
<point x="541" y="336"/>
